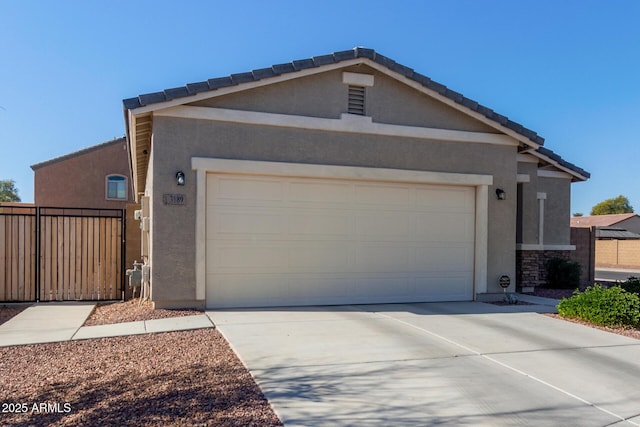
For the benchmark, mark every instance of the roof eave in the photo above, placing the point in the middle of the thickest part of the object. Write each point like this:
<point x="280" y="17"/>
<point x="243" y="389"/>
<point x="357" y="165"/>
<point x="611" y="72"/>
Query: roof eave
<point x="577" y="174"/>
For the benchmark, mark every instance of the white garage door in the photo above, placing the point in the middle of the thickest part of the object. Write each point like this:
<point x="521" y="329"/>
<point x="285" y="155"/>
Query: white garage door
<point x="283" y="241"/>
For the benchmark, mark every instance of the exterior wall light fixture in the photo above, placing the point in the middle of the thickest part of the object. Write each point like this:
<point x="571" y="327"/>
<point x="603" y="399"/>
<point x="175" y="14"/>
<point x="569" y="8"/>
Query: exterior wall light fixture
<point x="500" y="193"/>
<point x="180" y="178"/>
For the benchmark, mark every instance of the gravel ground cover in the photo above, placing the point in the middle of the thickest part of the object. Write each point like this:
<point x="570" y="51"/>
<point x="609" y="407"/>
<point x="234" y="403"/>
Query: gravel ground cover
<point x="187" y="378"/>
<point x="131" y="311"/>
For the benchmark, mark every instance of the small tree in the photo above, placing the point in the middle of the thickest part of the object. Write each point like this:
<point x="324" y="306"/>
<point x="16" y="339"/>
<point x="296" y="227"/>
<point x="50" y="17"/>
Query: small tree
<point x="617" y="205"/>
<point x="8" y="191"/>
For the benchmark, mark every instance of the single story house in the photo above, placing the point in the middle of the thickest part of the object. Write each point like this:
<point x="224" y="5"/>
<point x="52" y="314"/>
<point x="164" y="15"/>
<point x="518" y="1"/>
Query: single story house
<point x="617" y="239"/>
<point x="340" y="179"/>
<point x="625" y="221"/>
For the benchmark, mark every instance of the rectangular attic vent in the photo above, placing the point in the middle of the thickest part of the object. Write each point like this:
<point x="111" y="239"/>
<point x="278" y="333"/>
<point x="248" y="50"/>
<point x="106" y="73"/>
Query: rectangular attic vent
<point x="356" y="100"/>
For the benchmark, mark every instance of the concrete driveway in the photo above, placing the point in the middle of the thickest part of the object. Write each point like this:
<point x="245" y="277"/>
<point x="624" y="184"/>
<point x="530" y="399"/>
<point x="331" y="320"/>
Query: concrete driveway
<point x="435" y="364"/>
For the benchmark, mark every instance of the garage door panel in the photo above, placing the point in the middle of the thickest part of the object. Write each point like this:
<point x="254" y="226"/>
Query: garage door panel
<point x="457" y="289"/>
<point x="444" y="227"/>
<point x="311" y="223"/>
<point x="381" y="258"/>
<point x="385" y="287"/>
<point x="380" y="225"/>
<point x="247" y="189"/>
<point x="298" y="241"/>
<point x="448" y="258"/>
<point x="247" y="290"/>
<point x="234" y="222"/>
<point x="302" y="193"/>
<point x="319" y="259"/>
<point x="383" y="195"/>
<point x="445" y="198"/>
<point x="243" y="258"/>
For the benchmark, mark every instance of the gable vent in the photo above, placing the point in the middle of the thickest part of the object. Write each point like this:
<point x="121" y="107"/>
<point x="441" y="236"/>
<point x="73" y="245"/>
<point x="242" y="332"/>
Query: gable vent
<point x="356" y="100"/>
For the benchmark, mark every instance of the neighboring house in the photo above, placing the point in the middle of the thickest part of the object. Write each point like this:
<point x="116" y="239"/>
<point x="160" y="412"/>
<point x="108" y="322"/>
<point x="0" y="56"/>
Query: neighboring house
<point x="95" y="177"/>
<point x="617" y="239"/>
<point x="626" y="221"/>
<point x="344" y="178"/>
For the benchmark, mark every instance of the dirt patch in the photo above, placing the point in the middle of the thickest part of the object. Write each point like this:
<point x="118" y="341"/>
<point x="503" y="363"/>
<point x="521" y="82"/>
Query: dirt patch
<point x="131" y="311"/>
<point x="552" y="293"/>
<point x="178" y="378"/>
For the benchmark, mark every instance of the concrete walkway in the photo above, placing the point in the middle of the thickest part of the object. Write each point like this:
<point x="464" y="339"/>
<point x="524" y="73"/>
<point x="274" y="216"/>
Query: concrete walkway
<point x="62" y="321"/>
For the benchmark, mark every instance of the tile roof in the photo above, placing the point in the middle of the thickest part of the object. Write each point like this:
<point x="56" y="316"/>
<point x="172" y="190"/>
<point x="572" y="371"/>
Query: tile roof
<point x="600" y="220"/>
<point x="318" y="61"/>
<point x="336" y="57"/>
<point x="550" y="154"/>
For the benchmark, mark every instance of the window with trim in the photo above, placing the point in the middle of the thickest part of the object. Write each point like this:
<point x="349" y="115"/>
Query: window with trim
<point x="116" y="187"/>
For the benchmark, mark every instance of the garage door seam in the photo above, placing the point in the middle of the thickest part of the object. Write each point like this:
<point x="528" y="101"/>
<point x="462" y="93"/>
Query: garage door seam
<point x="516" y="370"/>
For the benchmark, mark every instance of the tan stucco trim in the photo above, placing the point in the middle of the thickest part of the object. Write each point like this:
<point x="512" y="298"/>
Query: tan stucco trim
<point x="553" y="174"/>
<point x="573" y="174"/>
<point x="523" y="178"/>
<point x="357" y="79"/>
<point x="201" y="229"/>
<point x="541" y="198"/>
<point x="527" y="158"/>
<point x="204" y="165"/>
<point x="482" y="239"/>
<point x="347" y="123"/>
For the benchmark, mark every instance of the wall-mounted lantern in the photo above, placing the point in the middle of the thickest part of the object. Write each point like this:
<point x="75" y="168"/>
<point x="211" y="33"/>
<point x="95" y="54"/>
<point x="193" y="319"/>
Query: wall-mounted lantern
<point x="500" y="193"/>
<point x="180" y="178"/>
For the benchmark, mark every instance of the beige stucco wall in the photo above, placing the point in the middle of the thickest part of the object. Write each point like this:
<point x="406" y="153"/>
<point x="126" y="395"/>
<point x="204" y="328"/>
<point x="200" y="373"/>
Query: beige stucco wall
<point x="80" y="180"/>
<point x="324" y="95"/>
<point x="557" y="210"/>
<point x="176" y="141"/>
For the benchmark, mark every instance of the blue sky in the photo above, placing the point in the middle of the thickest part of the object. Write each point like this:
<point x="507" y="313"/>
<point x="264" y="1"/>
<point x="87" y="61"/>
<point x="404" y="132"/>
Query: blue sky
<point x="569" y="70"/>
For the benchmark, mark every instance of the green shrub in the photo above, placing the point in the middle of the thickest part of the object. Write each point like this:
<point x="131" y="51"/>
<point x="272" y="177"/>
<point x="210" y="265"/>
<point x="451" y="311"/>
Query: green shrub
<point x="603" y="306"/>
<point x="563" y="273"/>
<point x="631" y="285"/>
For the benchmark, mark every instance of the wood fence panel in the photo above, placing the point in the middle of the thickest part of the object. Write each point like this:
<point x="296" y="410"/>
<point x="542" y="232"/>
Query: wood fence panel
<point x="84" y="271"/>
<point x="3" y="258"/>
<point x="14" y="258"/>
<point x="33" y="260"/>
<point x="103" y="259"/>
<point x="59" y="292"/>
<point x="20" y="255"/>
<point x="61" y="254"/>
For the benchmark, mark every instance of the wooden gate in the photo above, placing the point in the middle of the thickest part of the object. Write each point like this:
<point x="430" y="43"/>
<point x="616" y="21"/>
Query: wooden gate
<point x="61" y="254"/>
